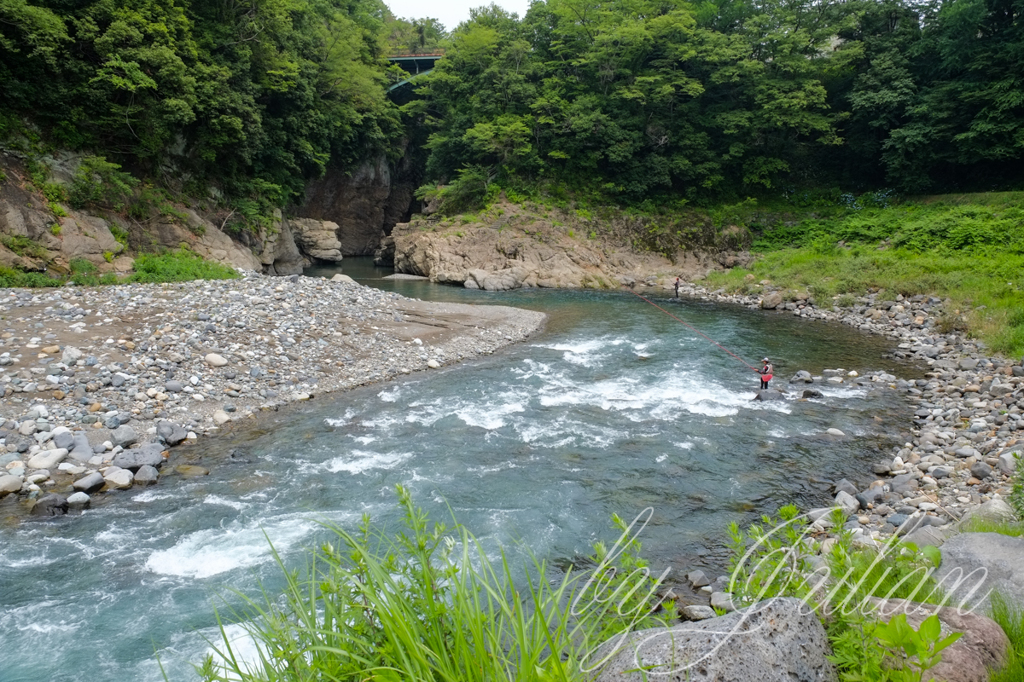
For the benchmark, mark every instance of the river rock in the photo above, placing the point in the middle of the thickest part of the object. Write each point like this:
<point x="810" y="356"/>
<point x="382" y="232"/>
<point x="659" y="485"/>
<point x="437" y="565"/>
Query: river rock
<point x="769" y="395"/>
<point x="697" y="612"/>
<point x="802" y="377"/>
<point x="345" y="279"/>
<point x="771" y="301"/>
<point x="82" y="450"/>
<point x="118" y="478"/>
<point x="835" y="432"/>
<point x="926" y="536"/>
<point x="220" y="417"/>
<point x="124" y="436"/>
<point x="47" y="459"/>
<point x="778" y="640"/>
<point x="171" y="433"/>
<point x="722" y="601"/>
<point x="995" y="511"/>
<point x="78" y="500"/>
<point x="1008" y="462"/>
<point x="136" y="458"/>
<point x="697" y="579"/>
<point x="62" y="438"/>
<point x="982" y="647"/>
<point x="1000" y="557"/>
<point x="50" y="505"/>
<point x="981" y="471"/>
<point x="191" y="470"/>
<point x="215" y="360"/>
<point x="847" y="502"/>
<point x="9" y="484"/>
<point x="147" y="475"/>
<point x="89" y="483"/>
<point x="812" y="393"/>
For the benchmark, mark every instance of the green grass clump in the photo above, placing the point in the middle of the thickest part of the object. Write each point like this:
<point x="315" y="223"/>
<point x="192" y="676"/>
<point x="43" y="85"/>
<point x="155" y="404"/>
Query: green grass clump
<point x="178" y="266"/>
<point x="23" y="246"/>
<point x="1010" y="617"/>
<point x="15" y="278"/>
<point x="1014" y="529"/>
<point x="425" y="604"/>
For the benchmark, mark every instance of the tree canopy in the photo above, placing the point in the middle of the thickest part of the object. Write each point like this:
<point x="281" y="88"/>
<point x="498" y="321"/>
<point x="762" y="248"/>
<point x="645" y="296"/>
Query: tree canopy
<point x="642" y="99"/>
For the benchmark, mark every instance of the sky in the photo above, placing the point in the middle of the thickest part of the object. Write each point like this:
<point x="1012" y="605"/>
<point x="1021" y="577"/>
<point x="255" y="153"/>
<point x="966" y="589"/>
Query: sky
<point x="449" y="12"/>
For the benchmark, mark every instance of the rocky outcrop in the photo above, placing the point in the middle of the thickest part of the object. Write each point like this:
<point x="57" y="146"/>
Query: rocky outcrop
<point x="355" y="202"/>
<point x="515" y="251"/>
<point x="203" y="237"/>
<point x="779" y="640"/>
<point x="316" y="238"/>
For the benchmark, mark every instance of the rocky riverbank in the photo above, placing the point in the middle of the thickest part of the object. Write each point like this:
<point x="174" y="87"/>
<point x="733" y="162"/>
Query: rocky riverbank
<point x="966" y="438"/>
<point x="102" y="386"/>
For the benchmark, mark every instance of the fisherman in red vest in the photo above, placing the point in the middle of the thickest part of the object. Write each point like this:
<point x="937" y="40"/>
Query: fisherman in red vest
<point x="766" y="373"/>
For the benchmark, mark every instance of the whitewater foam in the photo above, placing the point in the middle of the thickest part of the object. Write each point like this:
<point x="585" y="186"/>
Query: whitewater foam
<point x="359" y="461"/>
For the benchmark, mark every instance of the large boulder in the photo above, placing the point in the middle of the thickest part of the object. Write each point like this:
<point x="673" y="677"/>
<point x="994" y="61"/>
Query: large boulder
<point x="316" y="238"/>
<point x="51" y="505"/>
<point x="778" y="640"/>
<point x="996" y="562"/>
<point x="771" y="301"/>
<point x="983" y="645"/>
<point x="171" y="433"/>
<point x="136" y="458"/>
<point x="9" y="484"/>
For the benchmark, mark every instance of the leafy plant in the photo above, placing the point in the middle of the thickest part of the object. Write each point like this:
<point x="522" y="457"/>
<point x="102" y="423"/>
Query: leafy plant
<point x="916" y="651"/>
<point x="57" y="210"/>
<point x="120" y="234"/>
<point x="108" y="256"/>
<point x="55" y="229"/>
<point x="102" y="183"/>
<point x="178" y="266"/>
<point x="23" y="246"/>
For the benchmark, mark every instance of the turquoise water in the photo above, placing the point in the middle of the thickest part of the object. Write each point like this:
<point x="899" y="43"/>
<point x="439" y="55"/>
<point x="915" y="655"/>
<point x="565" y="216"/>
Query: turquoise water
<point x="614" y="407"/>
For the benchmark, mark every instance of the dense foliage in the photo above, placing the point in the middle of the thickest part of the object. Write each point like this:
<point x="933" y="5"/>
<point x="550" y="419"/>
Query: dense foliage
<point x="660" y="99"/>
<point x="258" y="95"/>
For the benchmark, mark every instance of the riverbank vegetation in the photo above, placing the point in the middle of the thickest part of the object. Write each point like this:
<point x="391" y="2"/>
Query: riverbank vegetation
<point x="150" y="268"/>
<point x="428" y="603"/>
<point x="966" y="249"/>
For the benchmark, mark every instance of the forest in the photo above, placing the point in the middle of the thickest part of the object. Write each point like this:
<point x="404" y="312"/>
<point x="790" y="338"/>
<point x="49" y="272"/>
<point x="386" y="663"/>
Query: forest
<point x="634" y="102"/>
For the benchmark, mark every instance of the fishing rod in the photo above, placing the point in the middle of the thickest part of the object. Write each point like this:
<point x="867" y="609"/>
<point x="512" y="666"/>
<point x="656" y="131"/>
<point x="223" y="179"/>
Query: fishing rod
<point x="696" y="330"/>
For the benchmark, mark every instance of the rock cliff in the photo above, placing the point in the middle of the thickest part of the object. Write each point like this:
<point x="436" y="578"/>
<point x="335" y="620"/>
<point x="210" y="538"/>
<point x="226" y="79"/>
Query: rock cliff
<point x="511" y="247"/>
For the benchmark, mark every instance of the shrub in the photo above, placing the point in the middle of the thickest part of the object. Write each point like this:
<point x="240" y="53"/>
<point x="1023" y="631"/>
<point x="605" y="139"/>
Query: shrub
<point x="178" y="266"/>
<point x="23" y="246"/>
<point x="120" y="234"/>
<point x="55" y="229"/>
<point x="10" y="277"/>
<point x="102" y="183"/>
<point x="57" y="210"/>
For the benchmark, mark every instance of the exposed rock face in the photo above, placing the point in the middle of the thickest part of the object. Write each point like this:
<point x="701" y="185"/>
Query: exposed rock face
<point x="316" y="238"/>
<point x="995" y="560"/>
<point x="206" y="239"/>
<point x="356" y="203"/>
<point x="775" y="640"/>
<point x="513" y="252"/>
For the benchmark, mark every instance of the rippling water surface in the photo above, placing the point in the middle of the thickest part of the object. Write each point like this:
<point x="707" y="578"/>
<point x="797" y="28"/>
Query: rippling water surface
<point x="613" y="408"/>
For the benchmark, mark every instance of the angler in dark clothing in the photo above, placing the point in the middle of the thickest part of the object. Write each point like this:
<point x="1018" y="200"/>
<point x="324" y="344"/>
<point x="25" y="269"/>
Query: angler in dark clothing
<point x="677" y="287"/>
<point x="766" y="373"/>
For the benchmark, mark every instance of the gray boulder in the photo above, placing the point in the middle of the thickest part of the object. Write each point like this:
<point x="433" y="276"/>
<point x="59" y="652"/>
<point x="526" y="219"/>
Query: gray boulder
<point x="63" y="438"/>
<point x="697" y="612"/>
<point x="981" y="471"/>
<point x="81" y="450"/>
<point x="999" y="555"/>
<point x="9" y="484"/>
<point x="136" y="458"/>
<point x="812" y="393"/>
<point x="89" y="483"/>
<point x="778" y="640"/>
<point x="171" y="433"/>
<point x="802" y="377"/>
<point x="769" y="396"/>
<point x="51" y="505"/>
<point x="124" y="436"/>
<point x="1008" y="462"/>
<point x="146" y="475"/>
<point x="996" y="511"/>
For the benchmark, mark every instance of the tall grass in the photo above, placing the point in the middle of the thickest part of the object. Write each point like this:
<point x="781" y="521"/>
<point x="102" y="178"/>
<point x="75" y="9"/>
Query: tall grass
<point x="428" y="604"/>
<point x="1010" y="617"/>
<point x="177" y="266"/>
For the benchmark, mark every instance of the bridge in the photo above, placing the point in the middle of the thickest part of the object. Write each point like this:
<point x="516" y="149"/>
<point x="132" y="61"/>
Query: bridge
<point x="415" y="64"/>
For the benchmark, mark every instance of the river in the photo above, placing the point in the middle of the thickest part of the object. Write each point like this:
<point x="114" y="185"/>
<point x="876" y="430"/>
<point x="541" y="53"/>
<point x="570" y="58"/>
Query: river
<point x="614" y="407"/>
